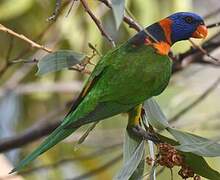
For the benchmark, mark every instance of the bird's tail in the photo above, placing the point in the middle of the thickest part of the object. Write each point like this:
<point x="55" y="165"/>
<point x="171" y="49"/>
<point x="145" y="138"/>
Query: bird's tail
<point x="56" y="136"/>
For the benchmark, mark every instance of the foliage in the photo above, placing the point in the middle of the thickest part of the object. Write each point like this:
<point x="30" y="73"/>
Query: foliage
<point x="59" y="60"/>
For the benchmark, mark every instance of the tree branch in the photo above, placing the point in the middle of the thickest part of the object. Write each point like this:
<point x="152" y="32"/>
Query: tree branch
<point x="24" y="38"/>
<point x="56" y="11"/>
<point x="97" y="22"/>
<point x="128" y="20"/>
<point x="213" y="25"/>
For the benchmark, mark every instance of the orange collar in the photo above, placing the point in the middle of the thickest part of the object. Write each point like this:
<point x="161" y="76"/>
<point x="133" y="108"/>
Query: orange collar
<point x="166" y="26"/>
<point x="163" y="48"/>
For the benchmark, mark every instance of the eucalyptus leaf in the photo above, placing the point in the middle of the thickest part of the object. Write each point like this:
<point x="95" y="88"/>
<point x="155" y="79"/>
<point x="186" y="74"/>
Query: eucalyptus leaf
<point x="133" y="163"/>
<point x="118" y="7"/>
<point x="59" y="60"/>
<point x="200" y="166"/>
<point x="195" y="144"/>
<point x="154" y="114"/>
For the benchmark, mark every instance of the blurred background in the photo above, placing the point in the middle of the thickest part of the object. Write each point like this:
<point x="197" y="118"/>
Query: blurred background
<point x="27" y="100"/>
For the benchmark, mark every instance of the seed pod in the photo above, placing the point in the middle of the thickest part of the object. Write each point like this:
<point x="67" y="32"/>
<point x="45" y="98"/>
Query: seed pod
<point x="186" y="172"/>
<point x="177" y="159"/>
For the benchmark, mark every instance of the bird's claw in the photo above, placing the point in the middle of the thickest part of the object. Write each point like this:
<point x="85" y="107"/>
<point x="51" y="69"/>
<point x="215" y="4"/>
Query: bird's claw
<point x="139" y="132"/>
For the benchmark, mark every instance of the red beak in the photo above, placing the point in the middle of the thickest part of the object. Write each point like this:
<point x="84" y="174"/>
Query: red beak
<point x="201" y="32"/>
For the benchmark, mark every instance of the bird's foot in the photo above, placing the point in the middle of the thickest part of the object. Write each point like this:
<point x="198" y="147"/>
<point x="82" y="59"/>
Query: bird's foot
<point x="138" y="132"/>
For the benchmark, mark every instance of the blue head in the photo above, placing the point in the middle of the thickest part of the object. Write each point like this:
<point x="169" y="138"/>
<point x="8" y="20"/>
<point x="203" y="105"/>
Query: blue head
<point x="185" y="25"/>
<point x="176" y="27"/>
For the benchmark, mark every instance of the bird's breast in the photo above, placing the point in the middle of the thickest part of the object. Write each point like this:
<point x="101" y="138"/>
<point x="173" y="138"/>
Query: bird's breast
<point x="137" y="77"/>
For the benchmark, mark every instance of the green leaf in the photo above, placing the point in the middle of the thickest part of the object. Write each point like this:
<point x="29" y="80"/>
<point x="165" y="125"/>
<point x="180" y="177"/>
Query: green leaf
<point x="200" y="166"/>
<point x="118" y="7"/>
<point x="195" y="144"/>
<point x="155" y="115"/>
<point x="133" y="159"/>
<point x="59" y="60"/>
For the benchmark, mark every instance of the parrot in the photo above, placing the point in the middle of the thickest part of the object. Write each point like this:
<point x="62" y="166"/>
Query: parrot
<point x="125" y="77"/>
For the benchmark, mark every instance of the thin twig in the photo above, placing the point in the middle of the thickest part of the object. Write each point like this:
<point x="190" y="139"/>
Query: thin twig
<point x="161" y="170"/>
<point x="171" y="173"/>
<point x="71" y="7"/>
<point x="85" y="135"/>
<point x="26" y="50"/>
<point x="196" y="102"/>
<point x="24" y="38"/>
<point x="7" y="63"/>
<point x="97" y="22"/>
<point x="128" y="20"/>
<point x="144" y="29"/>
<point x="24" y="61"/>
<point x="194" y="55"/>
<point x="11" y="43"/>
<point x="4" y="68"/>
<point x="42" y="33"/>
<point x="80" y="68"/>
<point x="53" y="17"/>
<point x="203" y="50"/>
<point x="94" y="49"/>
<point x="213" y="25"/>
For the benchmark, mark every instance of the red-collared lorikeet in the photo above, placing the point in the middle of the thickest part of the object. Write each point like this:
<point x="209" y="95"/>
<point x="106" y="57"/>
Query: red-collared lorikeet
<point x="126" y="76"/>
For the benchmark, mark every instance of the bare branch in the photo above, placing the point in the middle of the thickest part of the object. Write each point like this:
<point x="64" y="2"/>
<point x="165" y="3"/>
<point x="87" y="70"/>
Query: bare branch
<point x="11" y="44"/>
<point x="24" y="38"/>
<point x="56" y="11"/>
<point x="80" y="68"/>
<point x="132" y="23"/>
<point x="213" y="25"/>
<point x="97" y="22"/>
<point x="202" y="50"/>
<point x="85" y="135"/>
<point x="128" y="20"/>
<point x="71" y="7"/>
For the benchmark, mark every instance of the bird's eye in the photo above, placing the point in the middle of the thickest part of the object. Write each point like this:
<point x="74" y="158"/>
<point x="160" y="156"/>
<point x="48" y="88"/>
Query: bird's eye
<point x="189" y="19"/>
